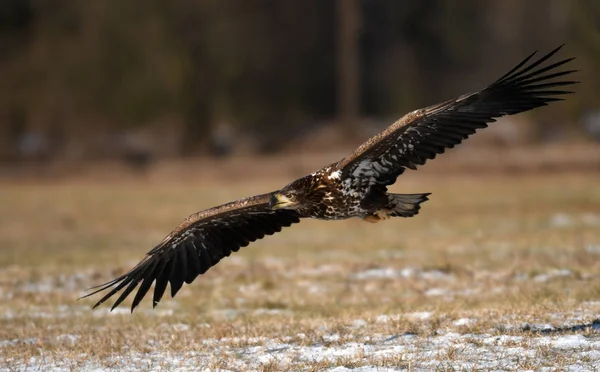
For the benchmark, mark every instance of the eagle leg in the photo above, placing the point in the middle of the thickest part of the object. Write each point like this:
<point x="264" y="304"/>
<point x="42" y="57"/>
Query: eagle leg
<point x="379" y="215"/>
<point x="372" y="218"/>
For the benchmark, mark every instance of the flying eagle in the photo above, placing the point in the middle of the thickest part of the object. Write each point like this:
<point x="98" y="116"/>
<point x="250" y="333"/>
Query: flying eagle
<point x="355" y="186"/>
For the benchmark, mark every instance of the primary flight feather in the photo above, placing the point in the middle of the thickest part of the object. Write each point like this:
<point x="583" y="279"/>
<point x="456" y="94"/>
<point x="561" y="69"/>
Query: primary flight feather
<point x="355" y="186"/>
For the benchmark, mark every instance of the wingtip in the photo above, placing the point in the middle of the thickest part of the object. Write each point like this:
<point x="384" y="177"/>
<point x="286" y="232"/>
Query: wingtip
<point x="134" y="306"/>
<point x="85" y="295"/>
<point x="553" y="51"/>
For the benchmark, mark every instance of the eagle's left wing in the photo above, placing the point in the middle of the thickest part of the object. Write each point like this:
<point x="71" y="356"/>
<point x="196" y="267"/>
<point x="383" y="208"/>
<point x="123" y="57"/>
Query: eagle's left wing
<point x="422" y="134"/>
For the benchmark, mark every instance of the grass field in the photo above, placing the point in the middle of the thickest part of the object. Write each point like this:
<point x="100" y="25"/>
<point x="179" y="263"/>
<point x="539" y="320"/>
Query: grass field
<point x="499" y="271"/>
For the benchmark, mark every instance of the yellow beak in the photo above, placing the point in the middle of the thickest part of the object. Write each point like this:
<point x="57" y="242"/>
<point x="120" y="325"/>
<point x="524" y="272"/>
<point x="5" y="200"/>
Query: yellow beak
<point x="279" y="201"/>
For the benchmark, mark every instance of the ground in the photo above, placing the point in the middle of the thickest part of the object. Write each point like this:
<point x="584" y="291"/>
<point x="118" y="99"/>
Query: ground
<point x="499" y="271"/>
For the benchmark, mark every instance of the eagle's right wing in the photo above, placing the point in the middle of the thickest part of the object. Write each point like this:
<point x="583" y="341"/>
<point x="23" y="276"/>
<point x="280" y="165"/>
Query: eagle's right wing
<point x="197" y="244"/>
<point x="422" y="134"/>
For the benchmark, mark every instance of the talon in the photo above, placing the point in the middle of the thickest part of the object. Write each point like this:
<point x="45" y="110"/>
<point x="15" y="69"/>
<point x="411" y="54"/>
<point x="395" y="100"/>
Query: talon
<point x="379" y="215"/>
<point x="371" y="218"/>
<point x="383" y="214"/>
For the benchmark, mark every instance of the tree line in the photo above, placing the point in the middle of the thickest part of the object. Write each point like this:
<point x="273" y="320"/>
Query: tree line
<point x="78" y="75"/>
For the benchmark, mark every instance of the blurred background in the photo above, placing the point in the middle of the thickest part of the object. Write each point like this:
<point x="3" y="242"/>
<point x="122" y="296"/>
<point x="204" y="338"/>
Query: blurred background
<point x="140" y="81"/>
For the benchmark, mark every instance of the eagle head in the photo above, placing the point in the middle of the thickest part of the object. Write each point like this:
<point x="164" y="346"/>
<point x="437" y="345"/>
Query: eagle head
<point x="300" y="194"/>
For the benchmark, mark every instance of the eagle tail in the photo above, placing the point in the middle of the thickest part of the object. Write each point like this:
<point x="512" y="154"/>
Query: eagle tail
<point x="407" y="205"/>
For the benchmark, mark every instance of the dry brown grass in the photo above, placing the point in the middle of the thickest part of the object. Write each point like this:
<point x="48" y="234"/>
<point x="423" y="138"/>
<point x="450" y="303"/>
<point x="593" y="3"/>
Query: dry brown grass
<point x="486" y="255"/>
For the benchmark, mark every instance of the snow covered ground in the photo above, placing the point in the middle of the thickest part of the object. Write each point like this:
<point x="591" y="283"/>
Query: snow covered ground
<point x="539" y="348"/>
<point x="459" y="345"/>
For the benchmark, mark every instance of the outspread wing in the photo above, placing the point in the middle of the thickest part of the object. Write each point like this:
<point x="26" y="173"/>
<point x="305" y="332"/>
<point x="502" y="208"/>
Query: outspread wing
<point x="422" y="134"/>
<point x="197" y="244"/>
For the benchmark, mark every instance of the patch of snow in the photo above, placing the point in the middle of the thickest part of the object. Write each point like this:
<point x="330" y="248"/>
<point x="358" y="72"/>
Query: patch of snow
<point x="263" y="311"/>
<point x="65" y="311"/>
<point x="62" y="283"/>
<point x="464" y="322"/>
<point x="571" y="342"/>
<point x="420" y="315"/>
<point x="332" y="337"/>
<point x="376" y="274"/>
<point x="436" y="275"/>
<point x="250" y="288"/>
<point x="538" y="327"/>
<point x="42" y="286"/>
<point x="436" y="292"/>
<point x="521" y="277"/>
<point x="407" y="272"/>
<point x="564" y="220"/>
<point x="180" y="327"/>
<point x="540" y="278"/>
<point x="593" y="248"/>
<point x="501" y="340"/>
<point x="316" y="289"/>
<point x="68" y="339"/>
<point x="561" y="220"/>
<point x="17" y="341"/>
<point x="358" y="323"/>
<point x="107" y="311"/>
<point x="237" y="260"/>
<point x="384" y="318"/>
<point x="59" y="312"/>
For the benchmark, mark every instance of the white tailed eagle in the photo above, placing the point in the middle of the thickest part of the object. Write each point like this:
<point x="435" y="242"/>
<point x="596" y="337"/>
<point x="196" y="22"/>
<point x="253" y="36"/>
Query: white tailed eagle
<point x="355" y="186"/>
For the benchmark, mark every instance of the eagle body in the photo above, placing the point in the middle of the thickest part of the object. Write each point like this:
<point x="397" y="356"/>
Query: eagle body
<point x="355" y="186"/>
<point x="326" y="195"/>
